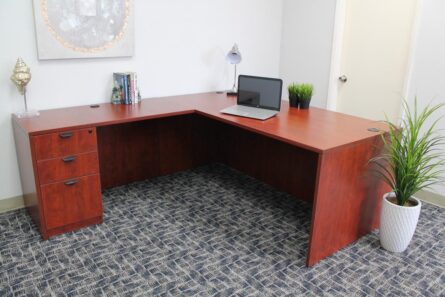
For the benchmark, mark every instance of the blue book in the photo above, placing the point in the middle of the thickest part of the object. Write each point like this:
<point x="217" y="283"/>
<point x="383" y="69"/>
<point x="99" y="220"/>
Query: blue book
<point x="126" y="99"/>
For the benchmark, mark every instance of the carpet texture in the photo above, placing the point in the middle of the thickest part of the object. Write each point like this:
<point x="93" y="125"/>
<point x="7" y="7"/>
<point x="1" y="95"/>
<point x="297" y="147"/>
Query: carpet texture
<point x="211" y="231"/>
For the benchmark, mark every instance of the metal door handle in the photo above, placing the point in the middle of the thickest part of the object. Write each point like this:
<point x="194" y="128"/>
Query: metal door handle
<point x="343" y="78"/>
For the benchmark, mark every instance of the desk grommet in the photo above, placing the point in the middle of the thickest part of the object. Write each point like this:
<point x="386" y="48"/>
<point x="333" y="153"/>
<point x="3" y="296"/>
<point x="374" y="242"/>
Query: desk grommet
<point x="373" y="129"/>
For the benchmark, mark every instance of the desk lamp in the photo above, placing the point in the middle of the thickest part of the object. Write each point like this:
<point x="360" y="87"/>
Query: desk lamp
<point x="234" y="58"/>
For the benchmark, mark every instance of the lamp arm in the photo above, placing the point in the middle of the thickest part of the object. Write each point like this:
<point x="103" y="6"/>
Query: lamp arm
<point x="234" y="81"/>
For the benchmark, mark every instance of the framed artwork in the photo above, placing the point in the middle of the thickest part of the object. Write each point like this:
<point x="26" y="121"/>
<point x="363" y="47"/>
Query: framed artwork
<point x="67" y="29"/>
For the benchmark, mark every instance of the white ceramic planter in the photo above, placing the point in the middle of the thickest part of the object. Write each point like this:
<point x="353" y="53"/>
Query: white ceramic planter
<point x="397" y="224"/>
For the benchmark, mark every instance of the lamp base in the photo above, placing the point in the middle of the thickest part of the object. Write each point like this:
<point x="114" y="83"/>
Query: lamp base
<point x="232" y="92"/>
<point x="27" y="114"/>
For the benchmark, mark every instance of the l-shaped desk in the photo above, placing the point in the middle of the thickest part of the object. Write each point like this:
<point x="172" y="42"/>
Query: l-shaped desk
<point x="66" y="156"/>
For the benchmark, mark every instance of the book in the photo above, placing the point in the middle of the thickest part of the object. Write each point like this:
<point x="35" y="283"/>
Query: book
<point x="129" y="88"/>
<point x="135" y="89"/>
<point x="125" y="89"/>
<point x="118" y="89"/>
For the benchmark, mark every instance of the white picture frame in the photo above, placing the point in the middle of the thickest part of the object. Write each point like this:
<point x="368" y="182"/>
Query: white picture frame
<point x="71" y="29"/>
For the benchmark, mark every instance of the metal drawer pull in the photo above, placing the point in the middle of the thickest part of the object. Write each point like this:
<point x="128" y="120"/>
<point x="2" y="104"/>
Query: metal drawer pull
<point x="65" y="135"/>
<point x="71" y="182"/>
<point x="69" y="159"/>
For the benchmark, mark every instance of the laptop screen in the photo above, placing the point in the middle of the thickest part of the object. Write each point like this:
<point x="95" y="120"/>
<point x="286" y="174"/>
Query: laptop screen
<point x="260" y="92"/>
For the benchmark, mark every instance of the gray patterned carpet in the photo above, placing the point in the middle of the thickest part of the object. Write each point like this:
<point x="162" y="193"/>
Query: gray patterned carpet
<point x="210" y="232"/>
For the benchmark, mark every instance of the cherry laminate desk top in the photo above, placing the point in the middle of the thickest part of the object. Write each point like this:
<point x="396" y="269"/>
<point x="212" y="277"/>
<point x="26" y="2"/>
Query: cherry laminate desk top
<point x="314" y="129"/>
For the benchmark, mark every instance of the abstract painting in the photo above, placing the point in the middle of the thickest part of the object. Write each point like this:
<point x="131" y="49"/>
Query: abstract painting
<point x="68" y="29"/>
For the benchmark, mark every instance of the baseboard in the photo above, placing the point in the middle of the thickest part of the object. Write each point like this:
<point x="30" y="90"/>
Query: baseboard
<point x="17" y="202"/>
<point x="431" y="197"/>
<point x="11" y="203"/>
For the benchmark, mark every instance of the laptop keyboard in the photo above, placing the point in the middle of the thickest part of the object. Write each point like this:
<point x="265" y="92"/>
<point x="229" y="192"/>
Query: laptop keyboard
<point x="247" y="111"/>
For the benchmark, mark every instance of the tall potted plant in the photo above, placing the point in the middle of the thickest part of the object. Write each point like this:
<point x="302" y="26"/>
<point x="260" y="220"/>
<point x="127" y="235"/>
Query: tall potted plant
<point x="412" y="160"/>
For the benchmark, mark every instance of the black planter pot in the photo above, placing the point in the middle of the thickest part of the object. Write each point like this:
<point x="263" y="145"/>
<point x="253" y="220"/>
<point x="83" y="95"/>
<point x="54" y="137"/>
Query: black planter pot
<point x="304" y="104"/>
<point x="294" y="101"/>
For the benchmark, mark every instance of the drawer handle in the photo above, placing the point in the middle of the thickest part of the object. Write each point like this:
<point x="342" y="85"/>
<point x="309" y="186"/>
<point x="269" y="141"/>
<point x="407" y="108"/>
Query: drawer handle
<point x="65" y="135"/>
<point x="71" y="182"/>
<point x="69" y="159"/>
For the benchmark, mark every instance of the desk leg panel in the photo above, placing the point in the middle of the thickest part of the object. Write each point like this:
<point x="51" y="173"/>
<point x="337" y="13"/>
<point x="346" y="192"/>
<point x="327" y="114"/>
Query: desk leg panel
<point x="285" y="167"/>
<point x="128" y="153"/>
<point x="141" y="150"/>
<point x="28" y="175"/>
<point x="347" y="198"/>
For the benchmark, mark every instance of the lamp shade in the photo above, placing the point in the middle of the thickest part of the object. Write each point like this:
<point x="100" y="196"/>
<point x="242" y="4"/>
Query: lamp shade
<point x="234" y="56"/>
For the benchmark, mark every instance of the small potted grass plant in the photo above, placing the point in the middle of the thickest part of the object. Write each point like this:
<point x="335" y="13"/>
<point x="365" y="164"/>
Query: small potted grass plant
<point x="305" y="95"/>
<point x="293" y="90"/>
<point x="412" y="160"/>
<point x="300" y="95"/>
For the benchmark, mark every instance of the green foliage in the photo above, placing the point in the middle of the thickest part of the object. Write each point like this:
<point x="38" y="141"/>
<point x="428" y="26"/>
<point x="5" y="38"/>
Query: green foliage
<point x="301" y="91"/>
<point x="306" y="91"/>
<point x="412" y="159"/>
<point x="293" y="89"/>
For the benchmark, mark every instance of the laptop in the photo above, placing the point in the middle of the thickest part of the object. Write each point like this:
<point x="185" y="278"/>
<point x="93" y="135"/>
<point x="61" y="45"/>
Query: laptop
<point x="258" y="97"/>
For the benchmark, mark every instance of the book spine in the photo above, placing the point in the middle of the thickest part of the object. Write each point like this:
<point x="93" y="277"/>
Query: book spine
<point x="129" y="86"/>
<point x="126" y="99"/>
<point x="135" y="82"/>
<point x="115" y="89"/>
<point x="122" y="89"/>
<point x="133" y="99"/>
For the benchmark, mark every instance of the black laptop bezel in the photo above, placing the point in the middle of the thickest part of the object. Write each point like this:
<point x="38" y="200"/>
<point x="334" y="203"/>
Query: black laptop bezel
<point x="264" y="78"/>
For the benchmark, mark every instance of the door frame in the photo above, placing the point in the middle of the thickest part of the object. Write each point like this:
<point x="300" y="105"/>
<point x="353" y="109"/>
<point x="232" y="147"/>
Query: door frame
<point x="337" y="47"/>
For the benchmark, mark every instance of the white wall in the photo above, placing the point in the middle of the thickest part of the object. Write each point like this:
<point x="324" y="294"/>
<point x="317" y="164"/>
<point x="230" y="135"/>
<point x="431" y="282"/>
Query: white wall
<point x="306" y="45"/>
<point x="179" y="48"/>
<point x="427" y="81"/>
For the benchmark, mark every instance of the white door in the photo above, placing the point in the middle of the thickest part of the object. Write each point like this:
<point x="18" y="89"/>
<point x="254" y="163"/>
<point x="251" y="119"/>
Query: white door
<point x="372" y="57"/>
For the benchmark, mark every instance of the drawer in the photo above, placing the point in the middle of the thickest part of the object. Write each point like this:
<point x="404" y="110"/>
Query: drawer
<point x="55" y="145"/>
<point x="63" y="168"/>
<point x="71" y="201"/>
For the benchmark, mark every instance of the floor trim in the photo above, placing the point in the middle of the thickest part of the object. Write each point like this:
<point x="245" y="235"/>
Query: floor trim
<point x="431" y="197"/>
<point x="12" y="203"/>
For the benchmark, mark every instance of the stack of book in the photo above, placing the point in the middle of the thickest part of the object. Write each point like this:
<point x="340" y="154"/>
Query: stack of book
<point x="125" y="89"/>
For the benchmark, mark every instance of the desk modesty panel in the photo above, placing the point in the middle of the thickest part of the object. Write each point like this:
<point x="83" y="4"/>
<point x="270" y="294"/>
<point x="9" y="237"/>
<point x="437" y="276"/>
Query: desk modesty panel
<point x="315" y="129"/>
<point x="66" y="156"/>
